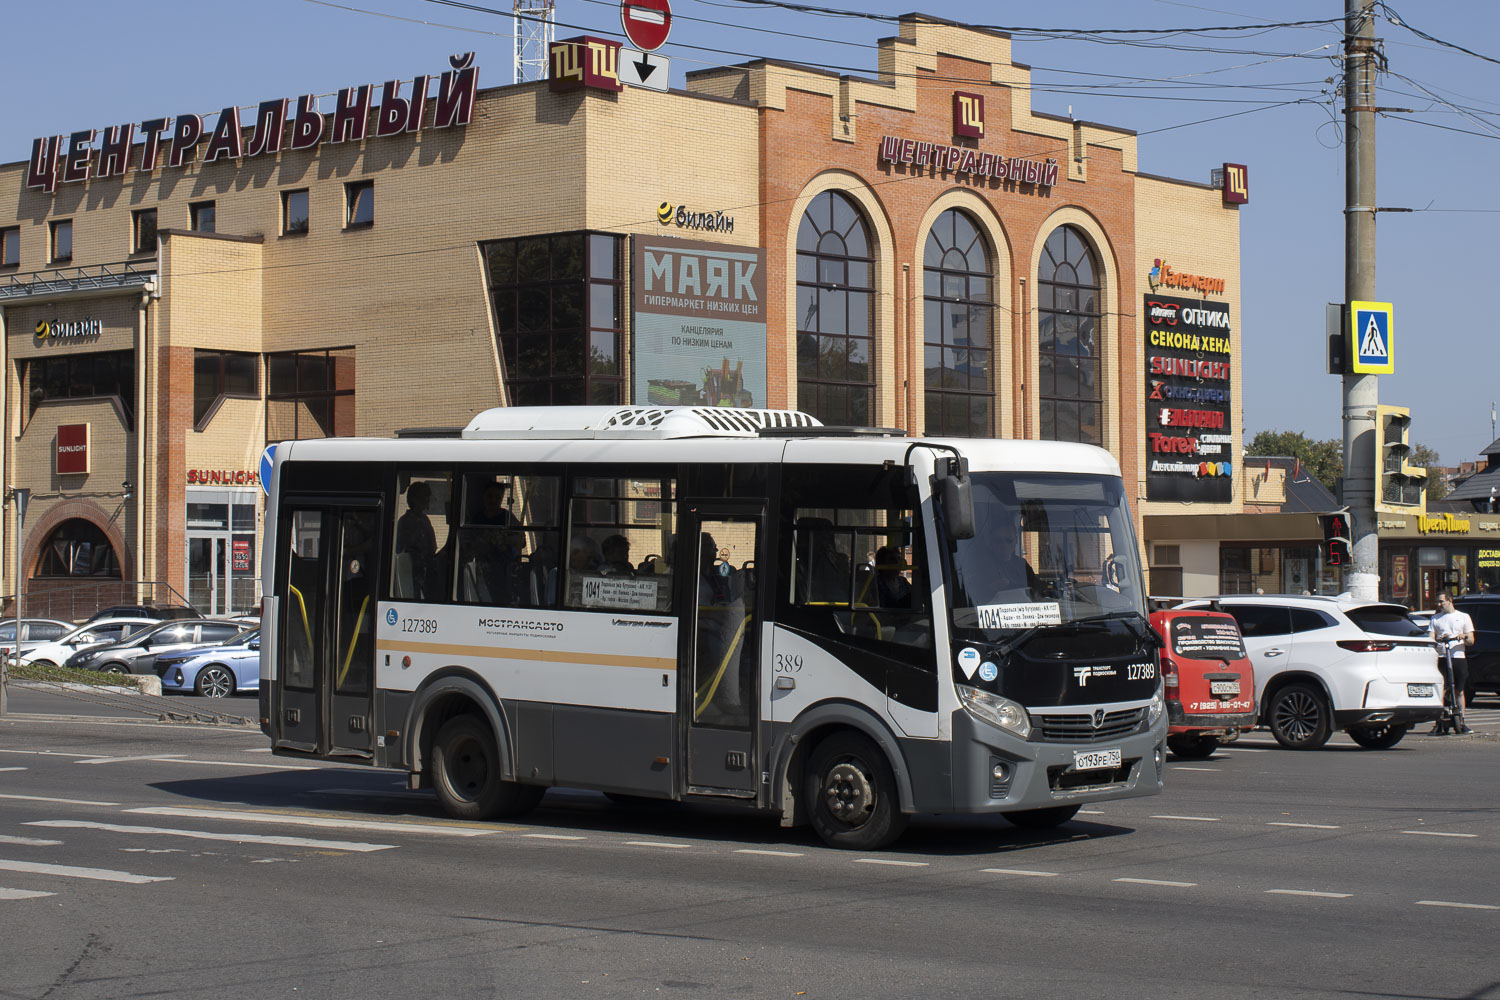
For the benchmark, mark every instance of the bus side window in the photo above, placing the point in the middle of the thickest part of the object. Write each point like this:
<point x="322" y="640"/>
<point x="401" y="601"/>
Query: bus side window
<point x="421" y="566"/>
<point x="507" y="540"/>
<point x="621" y="531"/>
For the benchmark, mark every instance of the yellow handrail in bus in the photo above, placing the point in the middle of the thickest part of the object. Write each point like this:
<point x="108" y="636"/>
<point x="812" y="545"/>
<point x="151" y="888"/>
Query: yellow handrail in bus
<point x="349" y="656"/>
<point x="701" y="698"/>
<point x="306" y="627"/>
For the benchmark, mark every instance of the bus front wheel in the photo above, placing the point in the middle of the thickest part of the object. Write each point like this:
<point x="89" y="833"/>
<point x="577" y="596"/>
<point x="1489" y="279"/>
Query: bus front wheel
<point x="466" y="774"/>
<point x="850" y="793"/>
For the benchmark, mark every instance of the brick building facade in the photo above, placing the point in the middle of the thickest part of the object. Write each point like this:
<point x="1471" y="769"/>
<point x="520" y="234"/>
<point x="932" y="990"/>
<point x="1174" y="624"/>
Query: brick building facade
<point x="934" y="255"/>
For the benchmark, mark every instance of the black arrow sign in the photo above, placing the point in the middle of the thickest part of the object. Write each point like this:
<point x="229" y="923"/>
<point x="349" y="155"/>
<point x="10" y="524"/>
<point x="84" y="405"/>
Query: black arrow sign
<point x="645" y="69"/>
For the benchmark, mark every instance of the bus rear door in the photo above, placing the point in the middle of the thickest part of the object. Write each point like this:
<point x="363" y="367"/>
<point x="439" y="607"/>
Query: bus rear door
<point x="327" y="568"/>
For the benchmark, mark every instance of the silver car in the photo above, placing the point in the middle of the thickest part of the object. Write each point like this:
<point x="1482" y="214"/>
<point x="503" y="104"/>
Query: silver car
<point x="137" y="654"/>
<point x="56" y="652"/>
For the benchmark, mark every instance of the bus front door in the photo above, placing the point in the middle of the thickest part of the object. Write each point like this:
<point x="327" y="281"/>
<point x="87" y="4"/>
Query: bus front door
<point x="326" y="660"/>
<point x="724" y="649"/>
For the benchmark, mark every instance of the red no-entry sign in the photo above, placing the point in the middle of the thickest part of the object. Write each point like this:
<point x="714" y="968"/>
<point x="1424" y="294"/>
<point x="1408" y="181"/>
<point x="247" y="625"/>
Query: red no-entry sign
<point x="646" y="22"/>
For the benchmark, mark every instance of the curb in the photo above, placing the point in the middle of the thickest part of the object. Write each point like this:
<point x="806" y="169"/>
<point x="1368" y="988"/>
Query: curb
<point x="149" y="685"/>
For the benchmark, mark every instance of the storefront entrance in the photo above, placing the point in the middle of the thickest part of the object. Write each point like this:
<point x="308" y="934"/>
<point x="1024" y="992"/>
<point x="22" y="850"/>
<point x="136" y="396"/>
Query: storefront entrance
<point x="221" y="551"/>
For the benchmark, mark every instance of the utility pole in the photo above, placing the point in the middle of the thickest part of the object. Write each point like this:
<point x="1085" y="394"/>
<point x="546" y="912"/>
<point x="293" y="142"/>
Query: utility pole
<point x="1361" y="393"/>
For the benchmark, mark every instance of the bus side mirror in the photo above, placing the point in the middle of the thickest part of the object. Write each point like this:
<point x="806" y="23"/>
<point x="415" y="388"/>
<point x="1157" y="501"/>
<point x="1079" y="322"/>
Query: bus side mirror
<point x="955" y="496"/>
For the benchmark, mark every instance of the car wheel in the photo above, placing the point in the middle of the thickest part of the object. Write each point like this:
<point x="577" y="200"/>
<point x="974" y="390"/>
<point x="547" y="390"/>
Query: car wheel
<point x="1193" y="746"/>
<point x="214" y="681"/>
<point x="850" y="794"/>
<point x="1042" y="819"/>
<point x="1378" y="737"/>
<point x="466" y="773"/>
<point x="114" y="668"/>
<point x="1300" y="719"/>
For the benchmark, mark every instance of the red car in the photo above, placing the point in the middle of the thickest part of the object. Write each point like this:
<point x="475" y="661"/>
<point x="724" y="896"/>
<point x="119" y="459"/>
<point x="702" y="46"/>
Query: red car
<point x="1208" y="680"/>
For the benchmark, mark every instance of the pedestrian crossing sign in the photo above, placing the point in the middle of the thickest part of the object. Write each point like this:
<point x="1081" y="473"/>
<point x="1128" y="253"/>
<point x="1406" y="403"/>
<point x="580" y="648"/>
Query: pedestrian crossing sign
<point x="1372" y="332"/>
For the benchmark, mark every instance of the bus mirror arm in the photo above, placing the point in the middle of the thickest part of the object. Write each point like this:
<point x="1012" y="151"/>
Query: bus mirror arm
<point x="952" y="489"/>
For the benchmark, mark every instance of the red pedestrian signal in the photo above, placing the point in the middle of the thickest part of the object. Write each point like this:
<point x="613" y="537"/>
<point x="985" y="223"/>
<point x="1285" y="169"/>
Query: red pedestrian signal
<point x="1335" y="539"/>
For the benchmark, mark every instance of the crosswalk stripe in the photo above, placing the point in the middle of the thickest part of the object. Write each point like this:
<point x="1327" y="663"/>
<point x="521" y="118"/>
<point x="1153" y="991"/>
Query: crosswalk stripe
<point x="29" y="841"/>
<point x="293" y="819"/>
<point x="239" y="838"/>
<point x="68" y="871"/>
<point x="48" y="798"/>
<point x="22" y="893"/>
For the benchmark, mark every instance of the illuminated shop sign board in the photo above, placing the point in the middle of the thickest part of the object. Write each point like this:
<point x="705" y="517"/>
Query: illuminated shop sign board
<point x="72" y="449"/>
<point x="1235" y="186"/>
<point x="937" y="156"/>
<point x="968" y="115"/>
<point x="1162" y="276"/>
<point x="223" y="477"/>
<point x="57" y="330"/>
<point x="584" y="62"/>
<point x="699" y="316"/>
<point x="685" y="218"/>
<point x="1189" y="453"/>
<point x="173" y="142"/>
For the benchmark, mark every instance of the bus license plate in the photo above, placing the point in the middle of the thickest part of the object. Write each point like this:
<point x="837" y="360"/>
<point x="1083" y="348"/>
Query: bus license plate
<point x="1090" y="760"/>
<point x="1223" y="687"/>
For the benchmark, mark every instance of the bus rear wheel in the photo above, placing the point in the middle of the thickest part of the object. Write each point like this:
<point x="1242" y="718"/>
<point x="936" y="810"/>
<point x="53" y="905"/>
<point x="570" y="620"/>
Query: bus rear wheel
<point x="466" y="773"/>
<point x="850" y="793"/>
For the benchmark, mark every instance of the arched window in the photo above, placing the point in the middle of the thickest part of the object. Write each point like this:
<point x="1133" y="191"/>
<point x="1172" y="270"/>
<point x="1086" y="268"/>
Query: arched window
<point x="958" y="320"/>
<point x="835" y="313"/>
<point x="78" y="548"/>
<point x="1068" y="339"/>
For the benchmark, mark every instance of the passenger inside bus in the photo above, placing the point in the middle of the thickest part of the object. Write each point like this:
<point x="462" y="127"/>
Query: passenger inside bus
<point x="892" y="588"/>
<point x="616" y="549"/>
<point x="1011" y="574"/>
<point x="721" y="676"/>
<point x="417" y="542"/>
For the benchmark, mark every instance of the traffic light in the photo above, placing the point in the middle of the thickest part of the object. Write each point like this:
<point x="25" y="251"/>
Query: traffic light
<point x="1335" y="539"/>
<point x="1399" y="488"/>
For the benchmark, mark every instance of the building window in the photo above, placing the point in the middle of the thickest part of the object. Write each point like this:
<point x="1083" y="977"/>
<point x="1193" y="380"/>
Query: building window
<point x="835" y="313"/>
<point x="143" y="231"/>
<point x="958" y="320"/>
<point x="78" y="548"/>
<point x="359" y="197"/>
<point x="294" y="218"/>
<point x="220" y="374"/>
<point x="10" y="246"/>
<point x="62" y="241"/>
<point x="310" y="394"/>
<point x="1068" y="339"/>
<point x="557" y="317"/>
<point x="80" y="376"/>
<point x="202" y="217"/>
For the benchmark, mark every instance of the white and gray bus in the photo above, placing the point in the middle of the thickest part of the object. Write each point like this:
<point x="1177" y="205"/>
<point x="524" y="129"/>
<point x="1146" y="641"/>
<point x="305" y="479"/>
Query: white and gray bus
<point x="843" y="626"/>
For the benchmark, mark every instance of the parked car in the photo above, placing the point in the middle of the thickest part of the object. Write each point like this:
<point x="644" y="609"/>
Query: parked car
<point x="56" y="652"/>
<point x="34" y="632"/>
<point x="159" y="612"/>
<point x="137" y="653"/>
<point x="1484" y="655"/>
<point x="1207" y="680"/>
<point x="1326" y="663"/>
<point x="214" y="671"/>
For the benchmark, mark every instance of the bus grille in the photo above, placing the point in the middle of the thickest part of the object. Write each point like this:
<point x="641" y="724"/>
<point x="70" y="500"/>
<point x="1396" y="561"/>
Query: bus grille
<point x="1080" y="728"/>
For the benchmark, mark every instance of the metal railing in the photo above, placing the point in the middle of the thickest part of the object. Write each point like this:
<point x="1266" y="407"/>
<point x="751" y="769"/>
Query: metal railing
<point x="78" y="600"/>
<point x="114" y="275"/>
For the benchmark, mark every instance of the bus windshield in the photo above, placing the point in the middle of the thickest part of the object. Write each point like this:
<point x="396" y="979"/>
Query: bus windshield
<point x="1048" y="549"/>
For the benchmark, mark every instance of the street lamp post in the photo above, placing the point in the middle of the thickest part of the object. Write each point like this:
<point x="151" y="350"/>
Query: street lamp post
<point x="18" y="497"/>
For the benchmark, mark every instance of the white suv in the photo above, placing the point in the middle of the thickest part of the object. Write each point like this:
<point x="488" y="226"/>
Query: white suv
<point x="1326" y="663"/>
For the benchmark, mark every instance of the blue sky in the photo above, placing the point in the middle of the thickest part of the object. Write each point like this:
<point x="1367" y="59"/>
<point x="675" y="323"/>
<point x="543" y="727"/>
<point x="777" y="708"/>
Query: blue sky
<point x="91" y="64"/>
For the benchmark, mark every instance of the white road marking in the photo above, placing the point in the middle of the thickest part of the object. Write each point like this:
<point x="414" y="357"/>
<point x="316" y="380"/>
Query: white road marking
<point x="1308" y="892"/>
<point x="773" y="854"/>
<point x="1184" y="767"/>
<point x="1457" y="906"/>
<point x="1191" y="819"/>
<point x="68" y="871"/>
<point x="1157" y="881"/>
<point x="225" y="763"/>
<point x="12" y="768"/>
<point x="553" y="836"/>
<point x="1437" y="833"/>
<point x="29" y="841"/>
<point x="49" y="753"/>
<point x="1307" y="826"/>
<point x="70" y="802"/>
<point x="1021" y="871"/>
<point x="657" y="843"/>
<point x="888" y="861"/>
<point x="292" y="819"/>
<point x="22" y="894"/>
<point x="256" y="750"/>
<point x="121" y="760"/>
<point x="240" y="838"/>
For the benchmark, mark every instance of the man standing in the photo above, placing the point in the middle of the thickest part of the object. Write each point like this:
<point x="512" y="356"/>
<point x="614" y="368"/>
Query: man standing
<point x="1454" y="632"/>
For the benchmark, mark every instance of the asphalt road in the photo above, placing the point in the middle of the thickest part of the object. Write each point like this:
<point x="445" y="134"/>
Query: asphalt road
<point x="146" y="859"/>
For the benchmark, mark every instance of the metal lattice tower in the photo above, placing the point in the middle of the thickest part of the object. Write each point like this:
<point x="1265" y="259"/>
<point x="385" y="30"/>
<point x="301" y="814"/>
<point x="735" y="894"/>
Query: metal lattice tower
<point x="535" y="24"/>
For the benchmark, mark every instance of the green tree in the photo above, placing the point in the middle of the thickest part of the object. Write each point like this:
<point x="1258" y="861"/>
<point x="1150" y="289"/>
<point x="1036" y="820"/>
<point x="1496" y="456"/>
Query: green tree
<point x="1428" y="459"/>
<point x="1323" y="460"/>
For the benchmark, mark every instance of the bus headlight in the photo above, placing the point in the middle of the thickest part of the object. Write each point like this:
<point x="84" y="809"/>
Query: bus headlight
<point x="1154" y="710"/>
<point x="995" y="710"/>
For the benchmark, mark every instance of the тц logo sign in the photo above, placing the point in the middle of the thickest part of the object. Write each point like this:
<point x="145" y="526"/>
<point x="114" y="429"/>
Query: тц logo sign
<point x="968" y="114"/>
